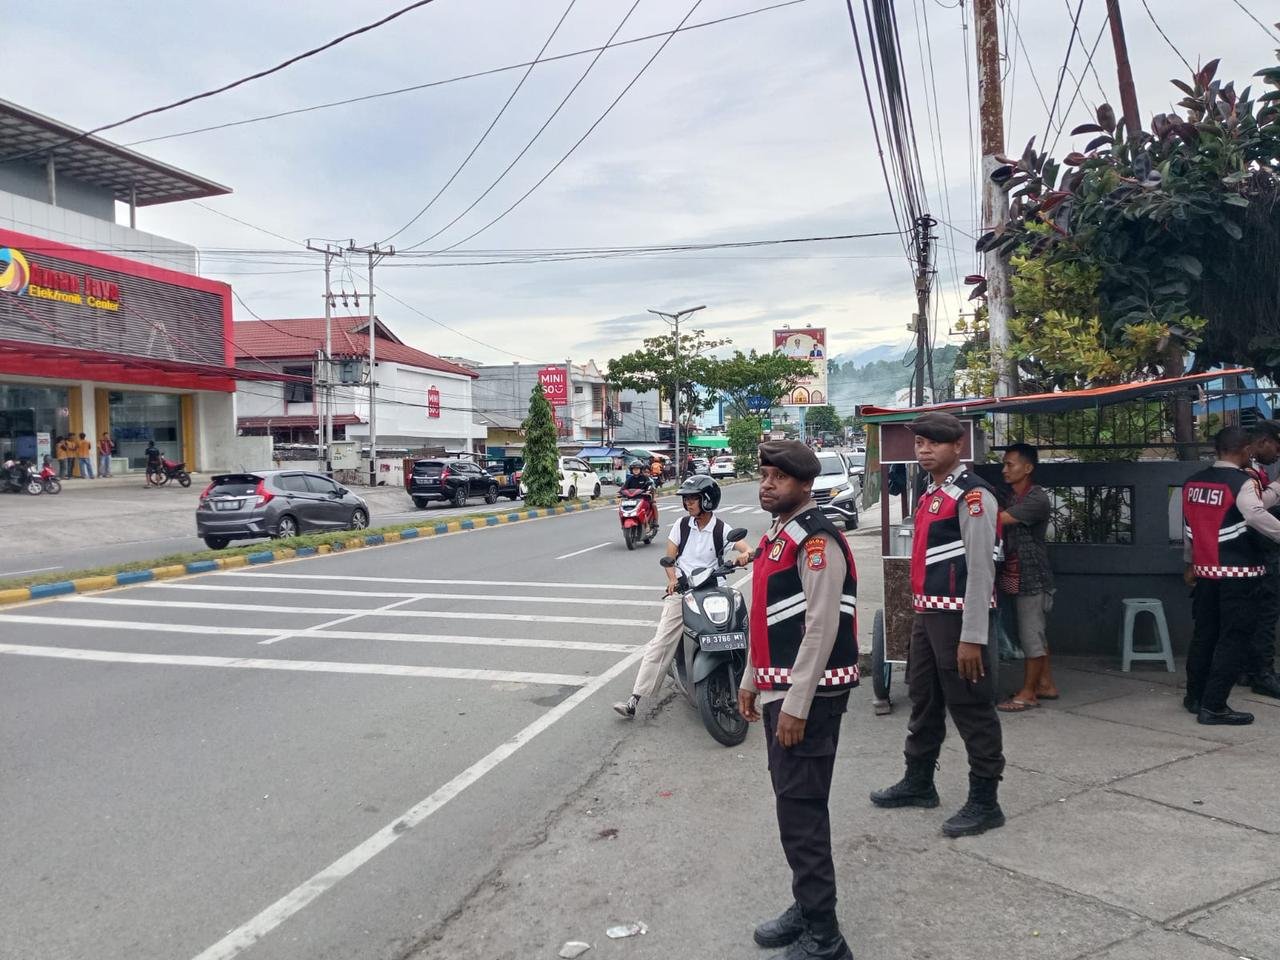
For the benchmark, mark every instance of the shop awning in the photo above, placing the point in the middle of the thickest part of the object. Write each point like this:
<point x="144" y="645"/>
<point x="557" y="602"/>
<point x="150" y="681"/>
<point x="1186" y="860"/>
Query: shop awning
<point x="295" y="420"/>
<point x="56" y="362"/>
<point x="1057" y="402"/>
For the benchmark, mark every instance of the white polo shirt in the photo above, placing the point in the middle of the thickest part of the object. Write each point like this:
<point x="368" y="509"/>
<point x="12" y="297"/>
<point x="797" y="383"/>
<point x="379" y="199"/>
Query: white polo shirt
<point x="700" y="549"/>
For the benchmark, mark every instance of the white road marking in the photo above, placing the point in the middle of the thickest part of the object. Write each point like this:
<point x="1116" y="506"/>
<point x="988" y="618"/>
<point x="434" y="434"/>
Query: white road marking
<point x="332" y="623"/>
<point x="578" y="553"/>
<point x="408" y="595"/>
<point x="14" y="573"/>
<point x="301" y="666"/>
<point x="141" y="626"/>
<point x="249" y="572"/>
<point x="345" y="611"/>
<point x="253" y="931"/>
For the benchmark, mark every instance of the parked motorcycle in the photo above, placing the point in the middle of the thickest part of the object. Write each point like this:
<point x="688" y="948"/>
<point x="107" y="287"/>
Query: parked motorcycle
<point x="712" y="656"/>
<point x="169" y="470"/>
<point x="49" y="480"/>
<point x="19" y="478"/>
<point x="639" y="518"/>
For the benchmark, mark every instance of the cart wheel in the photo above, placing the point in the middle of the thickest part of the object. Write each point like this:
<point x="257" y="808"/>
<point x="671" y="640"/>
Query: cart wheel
<point x="881" y="671"/>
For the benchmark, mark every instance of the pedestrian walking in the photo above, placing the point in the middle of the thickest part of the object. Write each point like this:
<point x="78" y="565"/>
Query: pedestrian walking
<point x="65" y="458"/>
<point x="1227" y="571"/>
<point x="952" y="587"/>
<point x="802" y="663"/>
<point x="1260" y="669"/>
<point x="84" y="453"/>
<point x="1025" y="579"/>
<point x="106" y="447"/>
<point x="696" y="542"/>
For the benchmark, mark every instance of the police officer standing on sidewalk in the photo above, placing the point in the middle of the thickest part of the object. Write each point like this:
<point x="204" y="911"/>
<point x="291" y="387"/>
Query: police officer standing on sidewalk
<point x="952" y="579"/>
<point x="803" y="660"/>
<point x="1260" y="671"/>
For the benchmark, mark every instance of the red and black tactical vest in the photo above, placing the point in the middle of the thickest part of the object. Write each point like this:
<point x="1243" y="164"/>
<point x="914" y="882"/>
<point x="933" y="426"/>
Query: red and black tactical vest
<point x="1221" y="545"/>
<point x="778" y="606"/>
<point x="939" y="567"/>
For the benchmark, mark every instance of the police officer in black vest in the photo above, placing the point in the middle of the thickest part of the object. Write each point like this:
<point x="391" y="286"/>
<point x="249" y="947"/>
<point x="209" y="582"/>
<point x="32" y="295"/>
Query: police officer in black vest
<point x="803" y="662"/>
<point x="952" y="584"/>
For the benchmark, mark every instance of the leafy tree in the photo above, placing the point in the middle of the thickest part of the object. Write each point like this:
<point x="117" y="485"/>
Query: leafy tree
<point x="658" y="366"/>
<point x="744" y="440"/>
<point x="541" y="475"/>
<point x="822" y="419"/>
<point x="745" y="375"/>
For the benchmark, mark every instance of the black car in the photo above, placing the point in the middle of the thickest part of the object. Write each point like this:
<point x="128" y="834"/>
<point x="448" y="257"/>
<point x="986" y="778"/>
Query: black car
<point x="453" y="481"/>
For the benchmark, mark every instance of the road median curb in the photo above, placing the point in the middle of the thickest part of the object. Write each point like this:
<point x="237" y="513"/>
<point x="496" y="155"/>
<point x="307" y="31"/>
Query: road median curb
<point x="92" y="584"/>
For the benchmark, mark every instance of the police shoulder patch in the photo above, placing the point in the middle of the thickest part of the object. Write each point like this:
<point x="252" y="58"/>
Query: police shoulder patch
<point x="815" y="552"/>
<point x="974" y="500"/>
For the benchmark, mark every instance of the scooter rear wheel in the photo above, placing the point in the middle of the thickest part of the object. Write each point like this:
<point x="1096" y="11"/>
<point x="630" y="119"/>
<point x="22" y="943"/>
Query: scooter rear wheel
<point x="717" y="697"/>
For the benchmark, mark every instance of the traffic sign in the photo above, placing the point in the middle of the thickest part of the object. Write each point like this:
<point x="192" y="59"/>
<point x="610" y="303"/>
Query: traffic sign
<point x="758" y="404"/>
<point x="766" y="423"/>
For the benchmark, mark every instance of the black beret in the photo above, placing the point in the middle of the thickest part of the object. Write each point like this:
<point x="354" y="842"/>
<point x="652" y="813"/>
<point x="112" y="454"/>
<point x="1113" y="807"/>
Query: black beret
<point x="938" y="427"/>
<point x="791" y="457"/>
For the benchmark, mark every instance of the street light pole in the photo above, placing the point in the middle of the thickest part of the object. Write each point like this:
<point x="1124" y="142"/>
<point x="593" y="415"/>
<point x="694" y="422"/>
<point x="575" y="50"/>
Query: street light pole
<point x="674" y="319"/>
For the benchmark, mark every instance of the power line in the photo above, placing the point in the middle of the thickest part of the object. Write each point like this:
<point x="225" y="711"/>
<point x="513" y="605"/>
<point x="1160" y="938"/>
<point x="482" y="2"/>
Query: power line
<point x="466" y="76"/>
<point x="246" y="223"/>
<point x="228" y="86"/>
<point x="1062" y="121"/>
<point x="489" y="129"/>
<point x="1247" y="13"/>
<point x="453" y="330"/>
<point x="1160" y="30"/>
<point x="591" y="129"/>
<point x="1062" y="74"/>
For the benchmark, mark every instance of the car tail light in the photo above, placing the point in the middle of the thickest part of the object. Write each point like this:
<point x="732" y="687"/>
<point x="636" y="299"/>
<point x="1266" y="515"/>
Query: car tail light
<point x="205" y="495"/>
<point x="444" y="474"/>
<point x="264" y="495"/>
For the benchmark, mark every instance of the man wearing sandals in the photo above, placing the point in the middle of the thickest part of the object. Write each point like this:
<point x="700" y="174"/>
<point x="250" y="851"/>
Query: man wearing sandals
<point x="1025" y="579"/>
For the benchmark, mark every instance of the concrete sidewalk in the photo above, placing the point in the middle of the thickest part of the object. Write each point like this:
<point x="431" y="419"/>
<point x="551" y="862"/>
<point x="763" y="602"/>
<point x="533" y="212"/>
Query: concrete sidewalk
<point x="1133" y="833"/>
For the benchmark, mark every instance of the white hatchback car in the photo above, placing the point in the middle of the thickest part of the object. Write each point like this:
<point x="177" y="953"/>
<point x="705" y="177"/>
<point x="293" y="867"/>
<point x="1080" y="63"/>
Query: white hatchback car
<point x="723" y="467"/>
<point x="576" y="480"/>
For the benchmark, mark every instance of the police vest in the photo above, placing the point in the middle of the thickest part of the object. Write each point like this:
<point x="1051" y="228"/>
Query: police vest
<point x="779" y="605"/>
<point x="1221" y="545"/>
<point x="939" y="566"/>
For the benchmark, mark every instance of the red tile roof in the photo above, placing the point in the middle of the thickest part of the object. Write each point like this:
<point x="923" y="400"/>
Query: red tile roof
<point x="299" y="338"/>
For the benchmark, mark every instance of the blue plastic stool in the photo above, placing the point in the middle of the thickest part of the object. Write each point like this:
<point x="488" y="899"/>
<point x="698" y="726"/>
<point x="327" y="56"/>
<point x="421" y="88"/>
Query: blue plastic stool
<point x="1132" y="607"/>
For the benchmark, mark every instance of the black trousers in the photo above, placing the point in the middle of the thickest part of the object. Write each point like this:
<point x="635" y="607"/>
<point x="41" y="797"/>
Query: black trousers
<point x="1226" y="626"/>
<point x="801" y="785"/>
<point x="1262" y="658"/>
<point x="936" y="687"/>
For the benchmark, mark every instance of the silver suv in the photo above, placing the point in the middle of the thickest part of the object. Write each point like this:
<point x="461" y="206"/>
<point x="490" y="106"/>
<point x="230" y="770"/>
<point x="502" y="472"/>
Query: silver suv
<point x="275" y="503"/>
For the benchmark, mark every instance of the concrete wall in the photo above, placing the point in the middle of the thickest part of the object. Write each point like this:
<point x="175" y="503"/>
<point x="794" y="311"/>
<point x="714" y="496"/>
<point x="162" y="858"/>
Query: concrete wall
<point x="215" y="419"/>
<point x="31" y="181"/>
<point x="38" y="218"/>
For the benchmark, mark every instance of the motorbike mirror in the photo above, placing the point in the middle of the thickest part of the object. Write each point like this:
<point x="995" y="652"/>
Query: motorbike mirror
<point x="736" y="534"/>
<point x="668" y="561"/>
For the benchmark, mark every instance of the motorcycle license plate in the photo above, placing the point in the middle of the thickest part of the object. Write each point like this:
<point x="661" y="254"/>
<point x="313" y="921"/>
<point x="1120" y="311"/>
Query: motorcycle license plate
<point x="723" y="641"/>
<point x="629" y="504"/>
<point x="226" y="504"/>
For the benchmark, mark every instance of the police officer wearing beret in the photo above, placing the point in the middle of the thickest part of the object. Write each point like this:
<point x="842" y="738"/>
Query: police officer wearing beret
<point x="803" y="661"/>
<point x="952" y="584"/>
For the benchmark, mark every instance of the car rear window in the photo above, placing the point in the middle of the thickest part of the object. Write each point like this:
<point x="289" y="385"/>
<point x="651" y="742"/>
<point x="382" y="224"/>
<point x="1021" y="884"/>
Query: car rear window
<point x="240" y="486"/>
<point x="429" y="468"/>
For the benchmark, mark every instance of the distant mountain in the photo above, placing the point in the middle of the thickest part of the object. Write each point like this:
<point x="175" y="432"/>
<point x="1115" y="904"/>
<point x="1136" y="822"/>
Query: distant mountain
<point x="860" y="358"/>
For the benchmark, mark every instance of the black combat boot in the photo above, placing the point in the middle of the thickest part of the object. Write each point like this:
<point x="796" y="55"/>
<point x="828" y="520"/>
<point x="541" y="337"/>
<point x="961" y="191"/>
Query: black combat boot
<point x="1191" y="704"/>
<point x="915" y="789"/>
<point x="782" y="930"/>
<point x="980" y="813"/>
<point x="820" y="940"/>
<point x="1224" y="717"/>
<point x="1266" y="684"/>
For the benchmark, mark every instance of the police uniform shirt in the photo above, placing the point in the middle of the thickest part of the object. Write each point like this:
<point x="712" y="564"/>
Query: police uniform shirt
<point x="822" y="579"/>
<point x="1253" y="502"/>
<point x="978" y="531"/>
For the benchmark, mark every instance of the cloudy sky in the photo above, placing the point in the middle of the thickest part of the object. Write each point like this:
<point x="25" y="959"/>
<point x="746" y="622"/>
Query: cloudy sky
<point x="747" y="130"/>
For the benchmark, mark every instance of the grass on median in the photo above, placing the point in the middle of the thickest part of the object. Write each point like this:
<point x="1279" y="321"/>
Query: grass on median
<point x="253" y="546"/>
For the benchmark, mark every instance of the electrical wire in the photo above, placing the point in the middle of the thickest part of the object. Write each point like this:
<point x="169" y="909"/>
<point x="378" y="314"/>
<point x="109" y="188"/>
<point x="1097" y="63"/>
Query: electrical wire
<point x="445" y="326"/>
<point x="225" y="87"/>
<point x="1247" y="13"/>
<point x="489" y="129"/>
<point x="1062" y="74"/>
<point x="466" y="76"/>
<point x="1062" y="121"/>
<point x="246" y="223"/>
<point x="1152" y="17"/>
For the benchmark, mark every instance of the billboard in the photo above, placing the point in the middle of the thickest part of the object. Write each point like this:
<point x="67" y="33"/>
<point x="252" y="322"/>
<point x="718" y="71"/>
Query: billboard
<point x="805" y="343"/>
<point x="58" y="295"/>
<point x="555" y="384"/>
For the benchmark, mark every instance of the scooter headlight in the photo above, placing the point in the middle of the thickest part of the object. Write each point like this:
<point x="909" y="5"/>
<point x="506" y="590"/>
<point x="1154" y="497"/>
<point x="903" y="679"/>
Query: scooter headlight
<point x="716" y="608"/>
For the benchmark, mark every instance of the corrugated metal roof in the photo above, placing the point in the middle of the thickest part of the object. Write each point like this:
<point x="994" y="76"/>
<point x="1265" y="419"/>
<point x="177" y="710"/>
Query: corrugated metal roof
<point x="298" y="339"/>
<point x="298" y="420"/>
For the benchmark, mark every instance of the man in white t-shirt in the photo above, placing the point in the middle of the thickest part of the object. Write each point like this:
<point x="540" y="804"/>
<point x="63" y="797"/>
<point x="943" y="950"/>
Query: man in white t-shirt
<point x="696" y="542"/>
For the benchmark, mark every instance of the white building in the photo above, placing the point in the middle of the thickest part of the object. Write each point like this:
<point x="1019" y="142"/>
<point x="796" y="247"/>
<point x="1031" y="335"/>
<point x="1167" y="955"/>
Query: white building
<point x="423" y="400"/>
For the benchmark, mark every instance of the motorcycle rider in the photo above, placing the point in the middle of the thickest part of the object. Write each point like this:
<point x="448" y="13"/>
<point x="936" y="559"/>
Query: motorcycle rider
<point x="636" y="480"/>
<point x="696" y="542"/>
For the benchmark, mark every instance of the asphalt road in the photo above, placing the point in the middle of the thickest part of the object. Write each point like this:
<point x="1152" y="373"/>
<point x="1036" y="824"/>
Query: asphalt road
<point x="316" y="759"/>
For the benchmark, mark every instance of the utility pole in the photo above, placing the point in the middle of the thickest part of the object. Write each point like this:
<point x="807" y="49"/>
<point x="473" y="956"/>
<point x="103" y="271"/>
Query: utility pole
<point x="923" y="283"/>
<point x="994" y="204"/>
<point x="376" y="255"/>
<point x="674" y="319"/>
<point x="325" y="416"/>
<point x="1128" y="94"/>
